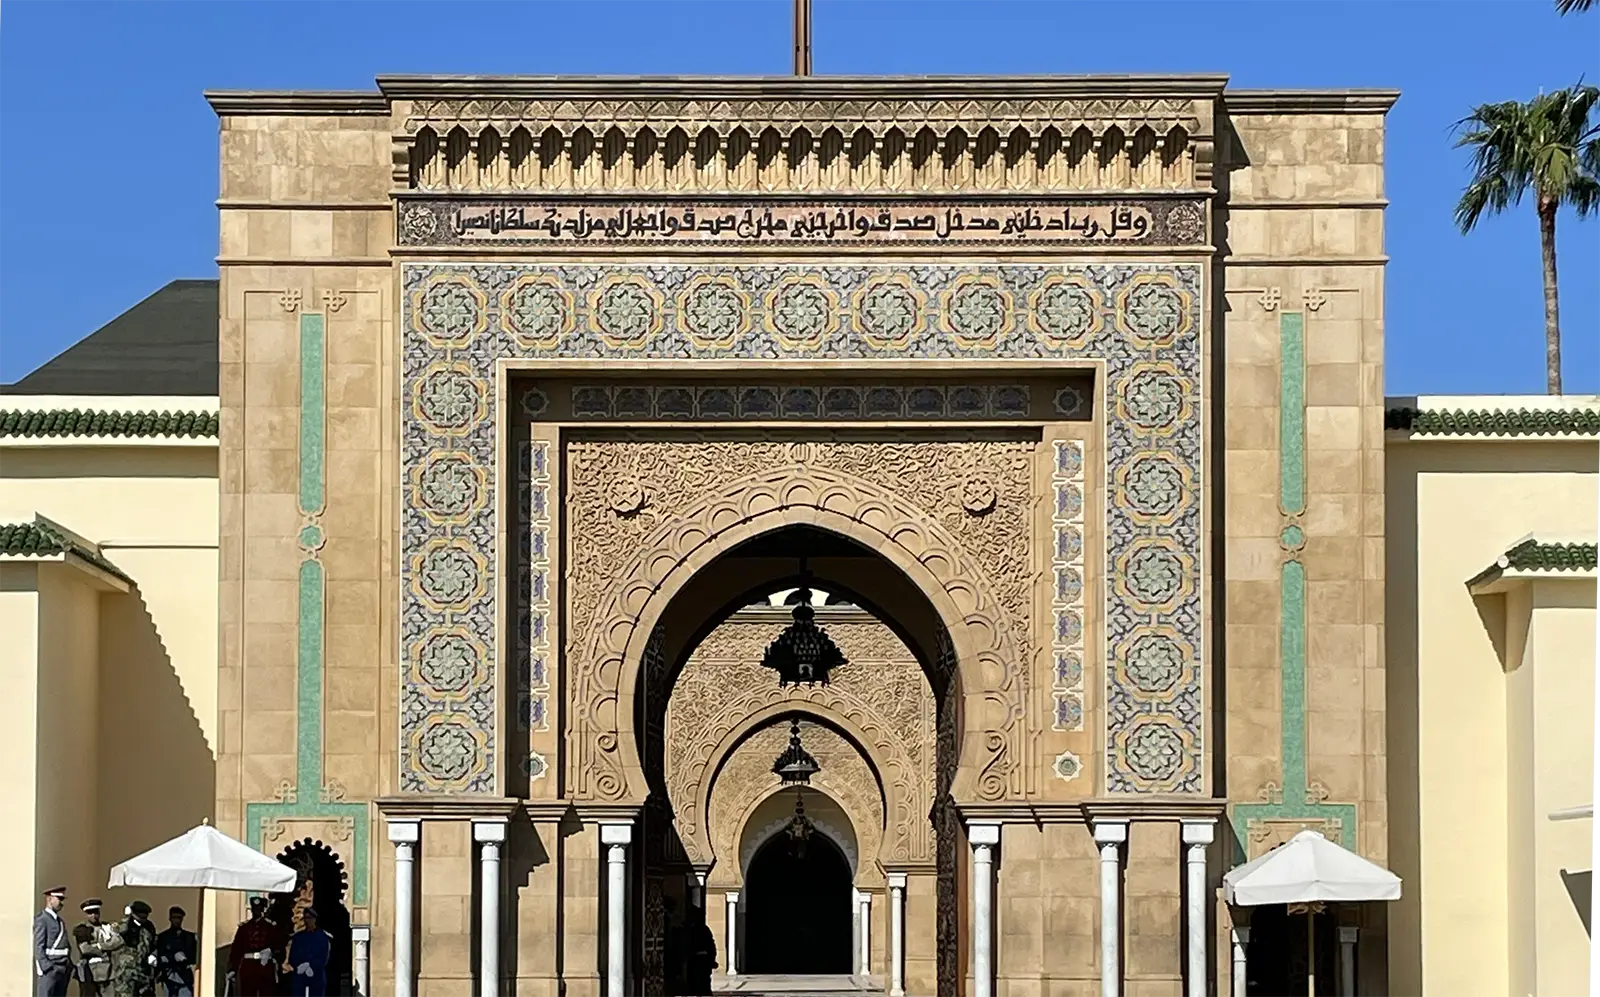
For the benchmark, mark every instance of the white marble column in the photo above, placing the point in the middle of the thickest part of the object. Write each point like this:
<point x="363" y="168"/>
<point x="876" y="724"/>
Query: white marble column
<point x="1347" y="959"/>
<point x="490" y="835"/>
<point x="1241" y="965"/>
<point x="1109" y="834"/>
<point x="731" y="959"/>
<point x="615" y="839"/>
<point x="983" y="838"/>
<point x="361" y="957"/>
<point x="697" y="890"/>
<point x="897" y="934"/>
<point x="404" y="835"/>
<point x="864" y="904"/>
<point x="1197" y="836"/>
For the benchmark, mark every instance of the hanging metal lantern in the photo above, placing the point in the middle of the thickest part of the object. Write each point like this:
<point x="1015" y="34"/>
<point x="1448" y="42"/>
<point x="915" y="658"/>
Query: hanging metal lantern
<point x="800" y="827"/>
<point x="803" y="654"/>
<point x="795" y="766"/>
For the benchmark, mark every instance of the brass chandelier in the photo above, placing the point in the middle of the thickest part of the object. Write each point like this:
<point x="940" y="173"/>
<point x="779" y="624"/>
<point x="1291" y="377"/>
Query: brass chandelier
<point x="803" y="654"/>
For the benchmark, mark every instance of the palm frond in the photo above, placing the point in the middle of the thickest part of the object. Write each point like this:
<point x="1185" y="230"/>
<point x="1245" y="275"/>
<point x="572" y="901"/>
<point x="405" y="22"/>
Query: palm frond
<point x="1573" y="6"/>
<point x="1549" y="145"/>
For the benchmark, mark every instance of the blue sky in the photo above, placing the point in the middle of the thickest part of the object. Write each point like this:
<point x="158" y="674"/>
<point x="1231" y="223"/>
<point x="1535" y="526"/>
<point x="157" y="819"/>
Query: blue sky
<point x="109" y="171"/>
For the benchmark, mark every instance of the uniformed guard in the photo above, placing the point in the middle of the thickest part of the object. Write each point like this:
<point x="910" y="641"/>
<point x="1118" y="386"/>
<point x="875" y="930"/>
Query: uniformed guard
<point x="176" y="953"/>
<point x="52" y="952"/>
<point x="309" y="950"/>
<point x="96" y="941"/>
<point x="257" y="950"/>
<point x="133" y="972"/>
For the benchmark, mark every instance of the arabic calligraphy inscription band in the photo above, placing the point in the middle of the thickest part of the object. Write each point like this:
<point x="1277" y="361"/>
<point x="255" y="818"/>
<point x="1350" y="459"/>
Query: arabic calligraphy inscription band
<point x="430" y="223"/>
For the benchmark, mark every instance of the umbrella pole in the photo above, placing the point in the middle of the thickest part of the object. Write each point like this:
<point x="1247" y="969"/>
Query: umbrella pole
<point x="1311" y="953"/>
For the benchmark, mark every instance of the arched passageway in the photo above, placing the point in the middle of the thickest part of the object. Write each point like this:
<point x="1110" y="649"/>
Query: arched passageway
<point x="798" y="914"/>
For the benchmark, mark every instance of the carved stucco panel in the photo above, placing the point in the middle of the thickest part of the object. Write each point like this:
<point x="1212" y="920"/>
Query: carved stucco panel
<point x="746" y="779"/>
<point x="882" y="692"/>
<point x="908" y="493"/>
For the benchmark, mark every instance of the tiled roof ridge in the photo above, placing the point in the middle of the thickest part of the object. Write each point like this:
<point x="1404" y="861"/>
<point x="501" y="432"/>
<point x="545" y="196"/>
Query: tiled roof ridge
<point x="1532" y="555"/>
<point x="1490" y="421"/>
<point x="41" y="539"/>
<point x="99" y="422"/>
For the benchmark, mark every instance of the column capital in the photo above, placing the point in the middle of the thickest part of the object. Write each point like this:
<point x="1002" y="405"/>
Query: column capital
<point x="1110" y="832"/>
<point x="983" y="833"/>
<point x="489" y="830"/>
<point x="1199" y="831"/>
<point x="616" y="833"/>
<point x="404" y="832"/>
<point x="1348" y="934"/>
<point x="1241" y="934"/>
<point x="361" y="933"/>
<point x="897" y="880"/>
<point x="732" y="897"/>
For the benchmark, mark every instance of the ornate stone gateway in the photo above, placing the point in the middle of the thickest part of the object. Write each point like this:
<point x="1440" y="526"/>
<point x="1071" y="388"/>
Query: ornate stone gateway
<point x="1016" y="374"/>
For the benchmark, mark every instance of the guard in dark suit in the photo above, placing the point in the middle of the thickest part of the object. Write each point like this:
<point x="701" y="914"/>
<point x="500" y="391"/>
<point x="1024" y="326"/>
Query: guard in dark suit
<point x="52" y="951"/>
<point x="177" y="951"/>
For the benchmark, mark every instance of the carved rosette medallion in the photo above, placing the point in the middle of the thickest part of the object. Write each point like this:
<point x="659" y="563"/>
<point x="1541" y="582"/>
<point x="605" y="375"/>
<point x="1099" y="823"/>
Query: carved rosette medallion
<point x="864" y="311"/>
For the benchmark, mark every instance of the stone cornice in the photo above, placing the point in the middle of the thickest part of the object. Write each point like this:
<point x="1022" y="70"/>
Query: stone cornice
<point x="1006" y="89"/>
<point x="422" y="806"/>
<point x="1153" y="808"/>
<point x="227" y="103"/>
<point x="1309" y="101"/>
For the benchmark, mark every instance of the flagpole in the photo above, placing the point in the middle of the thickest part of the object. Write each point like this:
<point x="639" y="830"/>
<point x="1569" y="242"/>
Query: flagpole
<point x="802" y="37"/>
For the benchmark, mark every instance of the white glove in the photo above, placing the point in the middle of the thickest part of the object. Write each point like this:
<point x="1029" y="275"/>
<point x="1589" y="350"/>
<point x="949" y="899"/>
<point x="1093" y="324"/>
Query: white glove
<point x="151" y="960"/>
<point x="179" y="957"/>
<point x="264" y="957"/>
<point x="304" y="969"/>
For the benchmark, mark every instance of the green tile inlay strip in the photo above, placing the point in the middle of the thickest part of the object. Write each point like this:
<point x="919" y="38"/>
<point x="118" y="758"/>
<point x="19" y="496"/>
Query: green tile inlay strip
<point x="313" y="412"/>
<point x="308" y="680"/>
<point x="1292" y="654"/>
<point x="1294" y="800"/>
<point x="1292" y="412"/>
<point x="311" y="798"/>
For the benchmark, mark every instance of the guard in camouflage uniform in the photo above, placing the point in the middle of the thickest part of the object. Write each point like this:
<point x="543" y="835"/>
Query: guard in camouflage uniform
<point x="134" y="965"/>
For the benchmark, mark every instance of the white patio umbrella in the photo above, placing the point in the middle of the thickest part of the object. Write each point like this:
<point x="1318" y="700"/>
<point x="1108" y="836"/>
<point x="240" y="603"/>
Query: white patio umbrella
<point x="205" y="858"/>
<point x="1309" y="869"/>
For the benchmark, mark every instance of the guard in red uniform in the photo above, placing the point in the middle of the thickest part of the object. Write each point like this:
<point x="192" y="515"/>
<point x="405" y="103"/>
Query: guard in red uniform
<point x="257" y="951"/>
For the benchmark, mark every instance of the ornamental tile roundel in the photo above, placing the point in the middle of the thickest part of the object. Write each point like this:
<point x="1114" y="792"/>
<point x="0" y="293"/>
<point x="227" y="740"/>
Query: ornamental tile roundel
<point x="1153" y="488"/>
<point x="1154" y="663"/>
<point x="977" y="312"/>
<point x="1153" y="399"/>
<point x="888" y="313"/>
<point x="1155" y="752"/>
<point x="802" y="313"/>
<point x="1065" y="311"/>
<point x="448" y="487"/>
<point x="713" y="313"/>
<point x="1153" y="311"/>
<point x="448" y="661"/>
<point x="448" y="573"/>
<point x="450" y="312"/>
<point x="626" y="312"/>
<point x="1153" y="574"/>
<point x="448" y="400"/>
<point x="537" y="312"/>
<point x="447" y="751"/>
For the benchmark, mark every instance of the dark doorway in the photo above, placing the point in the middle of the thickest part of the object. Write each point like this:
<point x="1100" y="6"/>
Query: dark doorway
<point x="1281" y="952"/>
<point x="797" y="914"/>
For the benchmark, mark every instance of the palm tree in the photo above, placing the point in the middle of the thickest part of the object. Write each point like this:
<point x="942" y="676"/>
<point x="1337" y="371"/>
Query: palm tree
<point x="1568" y="6"/>
<point x="1548" y="146"/>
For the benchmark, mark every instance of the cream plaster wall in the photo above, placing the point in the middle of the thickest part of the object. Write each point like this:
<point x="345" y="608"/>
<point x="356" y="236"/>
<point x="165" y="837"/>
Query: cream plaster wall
<point x="19" y="880"/>
<point x="1454" y="506"/>
<point x="115" y="691"/>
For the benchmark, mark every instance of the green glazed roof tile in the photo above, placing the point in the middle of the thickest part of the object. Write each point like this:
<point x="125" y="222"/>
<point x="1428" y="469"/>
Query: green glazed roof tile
<point x="1494" y="422"/>
<point x="1531" y="555"/>
<point x="83" y="422"/>
<point x="39" y="540"/>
